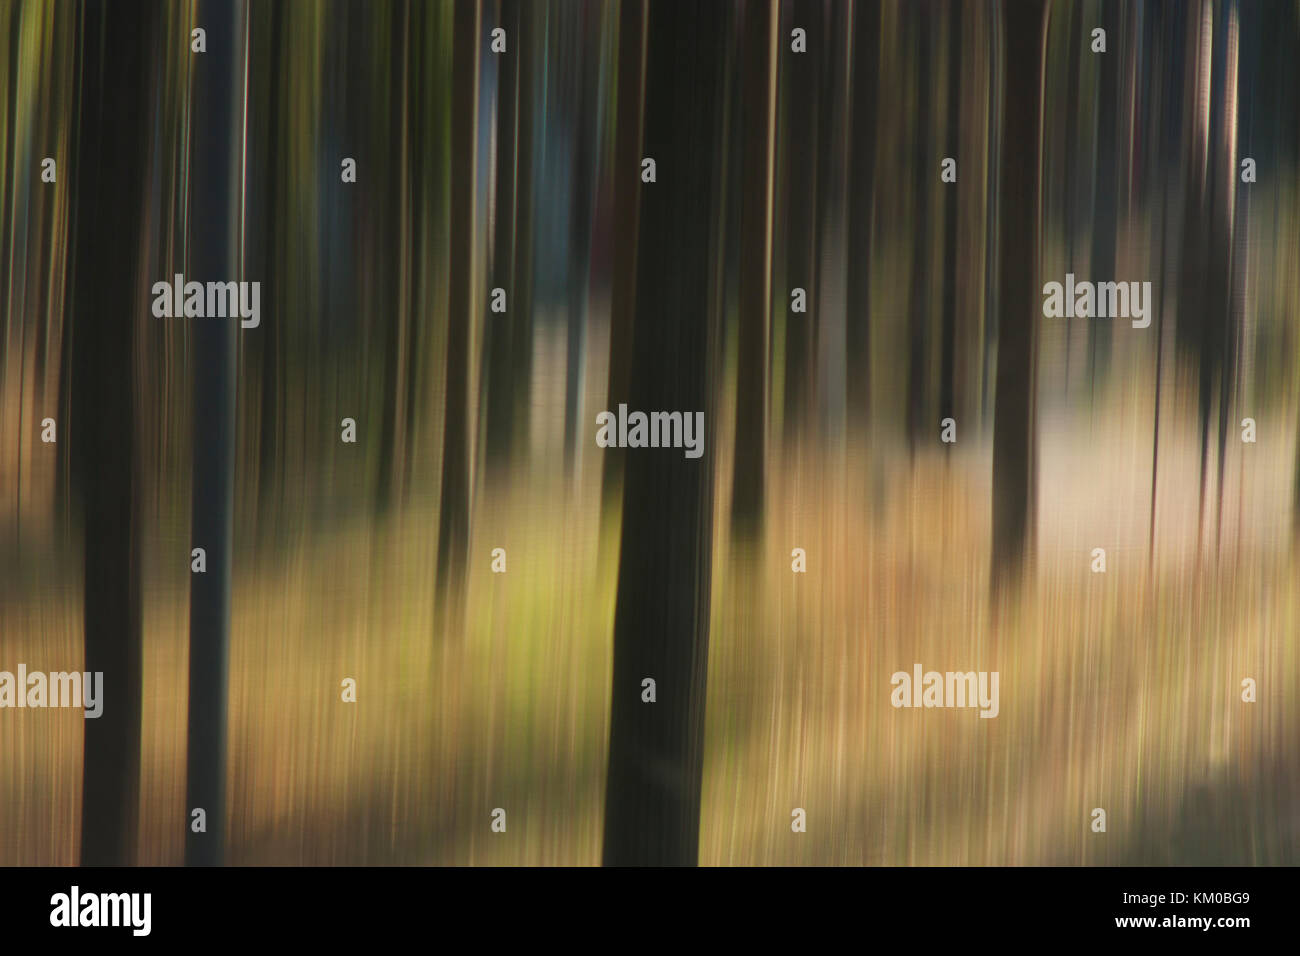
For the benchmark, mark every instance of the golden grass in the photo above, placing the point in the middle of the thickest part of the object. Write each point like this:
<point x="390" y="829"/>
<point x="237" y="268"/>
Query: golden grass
<point x="1119" y="691"/>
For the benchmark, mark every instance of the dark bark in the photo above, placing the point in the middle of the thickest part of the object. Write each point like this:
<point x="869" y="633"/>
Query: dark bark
<point x="116" y="47"/>
<point x="1203" y="316"/>
<point x="270" y="242"/>
<point x="757" y="118"/>
<point x="661" y="620"/>
<point x="918" y="319"/>
<point x="453" y="513"/>
<point x="530" y="37"/>
<point x="213" y="160"/>
<point x="1225" y="340"/>
<point x="385" y="297"/>
<point x="1105" y="219"/>
<point x="1014" y="446"/>
<point x="425" y="159"/>
<point x="804" y="132"/>
<point x="585" y="127"/>
<point x="627" y="212"/>
<point x="1076" y="38"/>
<point x="1164" y="30"/>
<point x="862" y="178"/>
<point x="501" y="344"/>
<point x="947" y="383"/>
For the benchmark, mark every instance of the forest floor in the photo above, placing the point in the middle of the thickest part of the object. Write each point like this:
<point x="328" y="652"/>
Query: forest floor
<point x="1119" y="691"/>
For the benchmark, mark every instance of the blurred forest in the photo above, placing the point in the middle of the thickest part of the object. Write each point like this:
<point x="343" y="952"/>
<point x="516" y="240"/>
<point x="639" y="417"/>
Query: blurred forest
<point x="797" y="268"/>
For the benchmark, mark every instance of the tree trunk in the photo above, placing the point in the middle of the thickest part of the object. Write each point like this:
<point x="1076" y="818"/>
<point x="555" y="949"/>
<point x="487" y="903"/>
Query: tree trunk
<point x="661" y="622"/>
<point x="214" y="160"/>
<point x="1014" y="446"/>
<point x="389" y="294"/>
<point x="271" y="241"/>
<point x="501" y="343"/>
<point x="1105" y="220"/>
<point x="531" y="36"/>
<point x="947" y="383"/>
<point x="586" y="124"/>
<point x="804" y="136"/>
<point x="117" y="47"/>
<point x="918" y="320"/>
<point x="453" y="513"/>
<point x="627" y="211"/>
<point x="862" y="178"/>
<point x="758" y="120"/>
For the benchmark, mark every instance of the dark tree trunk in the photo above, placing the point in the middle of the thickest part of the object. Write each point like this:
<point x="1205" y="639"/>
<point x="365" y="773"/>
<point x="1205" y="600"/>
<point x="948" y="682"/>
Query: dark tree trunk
<point x="757" y="122"/>
<point x="1014" y="446"/>
<point x="947" y="383"/>
<point x="453" y="513"/>
<point x="531" y="36"/>
<point x="64" y="486"/>
<point x="586" y="126"/>
<point x="918" y="320"/>
<point x="862" y="177"/>
<point x="661" y="622"/>
<point x="213" y="161"/>
<point x="1105" y="219"/>
<point x="627" y="211"/>
<point x="501" y="343"/>
<point x="1163" y="31"/>
<point x="1222" y="340"/>
<point x="425" y="159"/>
<point x="385" y="296"/>
<point x="116" y="47"/>
<point x="1203" y="321"/>
<point x="1076" y="38"/>
<point x="270" y="242"/>
<point x="805" y="130"/>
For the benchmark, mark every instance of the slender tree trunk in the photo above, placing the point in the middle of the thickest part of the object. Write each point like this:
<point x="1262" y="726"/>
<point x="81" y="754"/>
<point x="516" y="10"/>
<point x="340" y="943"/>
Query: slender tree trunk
<point x="1014" y="444"/>
<point x="453" y="513"/>
<point x="499" y="399"/>
<point x="866" y="45"/>
<point x="804" y="129"/>
<point x="1223" y="190"/>
<point x="661" y="622"/>
<point x="585" y="137"/>
<point x="758" y="124"/>
<point x="390" y="292"/>
<point x="1105" y="220"/>
<point x="273" y="214"/>
<point x="214" y="161"/>
<point x="1193" y="322"/>
<point x="627" y="211"/>
<point x="428" y="199"/>
<point x="918" y="320"/>
<point x="947" y="383"/>
<point x="116" y="49"/>
<point x="1076" y="39"/>
<point x="531" y="35"/>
